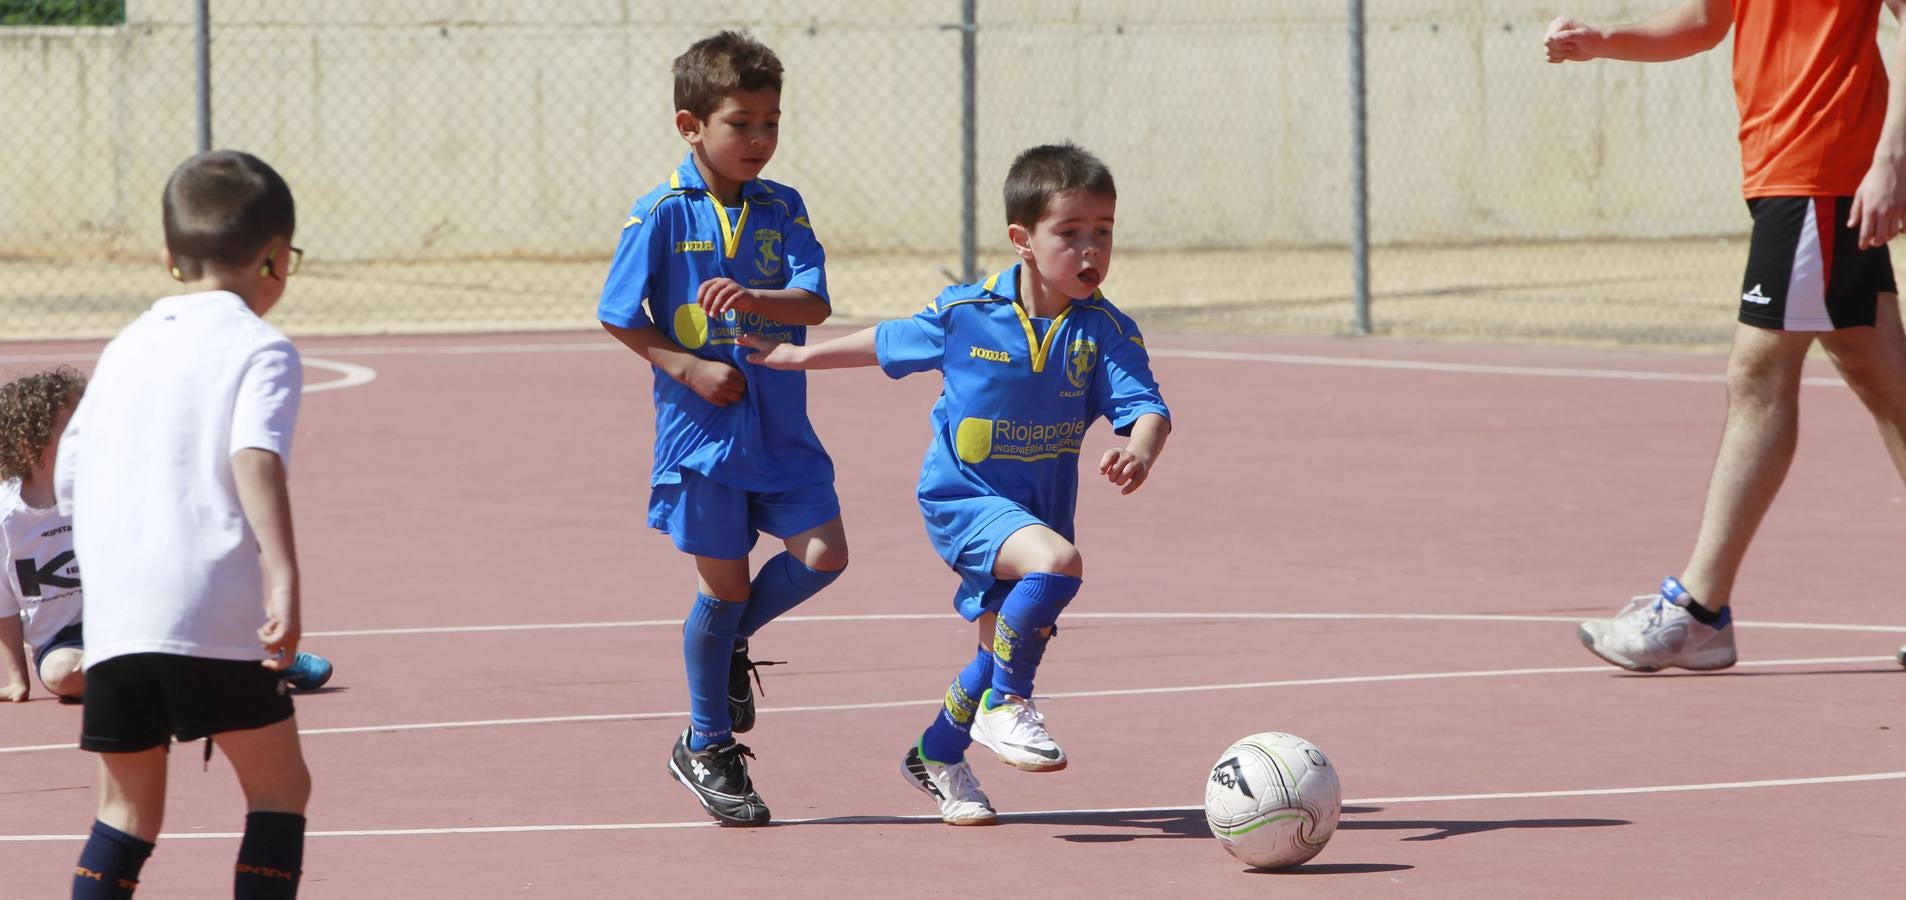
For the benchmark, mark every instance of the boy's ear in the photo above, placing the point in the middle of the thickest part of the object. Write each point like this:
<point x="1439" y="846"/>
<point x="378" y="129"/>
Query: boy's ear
<point x="688" y="126"/>
<point x="1021" y="239"/>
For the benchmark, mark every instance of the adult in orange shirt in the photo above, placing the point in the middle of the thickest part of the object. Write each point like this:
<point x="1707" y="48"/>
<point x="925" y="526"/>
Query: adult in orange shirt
<point x="1823" y="150"/>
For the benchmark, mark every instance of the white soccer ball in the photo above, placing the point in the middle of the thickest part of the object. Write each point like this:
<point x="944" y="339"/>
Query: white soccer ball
<point x="1273" y="800"/>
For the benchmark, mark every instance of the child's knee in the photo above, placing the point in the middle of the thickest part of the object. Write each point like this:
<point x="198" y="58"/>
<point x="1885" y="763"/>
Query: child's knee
<point x="62" y="673"/>
<point x="289" y="791"/>
<point x="1060" y="558"/>
<point x="71" y="683"/>
<point x="830" y="558"/>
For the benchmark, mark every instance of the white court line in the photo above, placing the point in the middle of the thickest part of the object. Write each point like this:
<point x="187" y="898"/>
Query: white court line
<point x="937" y="617"/>
<point x="1357" y="362"/>
<point x="1033" y="814"/>
<point x="1290" y="359"/>
<point x="354" y="374"/>
<point x="1294" y="359"/>
<point x="1058" y="695"/>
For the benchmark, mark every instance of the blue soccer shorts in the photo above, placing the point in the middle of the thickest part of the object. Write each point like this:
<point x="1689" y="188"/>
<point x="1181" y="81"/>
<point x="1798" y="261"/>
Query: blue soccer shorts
<point x="967" y="533"/>
<point x="707" y="518"/>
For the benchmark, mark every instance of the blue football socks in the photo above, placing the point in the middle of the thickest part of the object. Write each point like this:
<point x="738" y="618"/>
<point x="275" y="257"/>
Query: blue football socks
<point x="271" y="857"/>
<point x="1021" y="630"/>
<point x="109" y="864"/>
<point x="946" y="740"/>
<point x="782" y="584"/>
<point x="708" y="642"/>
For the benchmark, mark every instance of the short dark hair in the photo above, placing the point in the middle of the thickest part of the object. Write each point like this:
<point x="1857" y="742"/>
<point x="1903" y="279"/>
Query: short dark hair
<point x="1047" y="171"/>
<point x="715" y="67"/>
<point x="28" y="406"/>
<point x="224" y="206"/>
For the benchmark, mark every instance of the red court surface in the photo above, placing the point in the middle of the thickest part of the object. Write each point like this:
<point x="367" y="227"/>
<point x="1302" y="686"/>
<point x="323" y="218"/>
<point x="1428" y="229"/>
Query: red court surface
<point x="1380" y="546"/>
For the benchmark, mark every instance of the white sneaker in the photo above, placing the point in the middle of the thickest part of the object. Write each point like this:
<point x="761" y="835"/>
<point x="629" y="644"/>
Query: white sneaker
<point x="1656" y="631"/>
<point x="1012" y="731"/>
<point x="955" y="787"/>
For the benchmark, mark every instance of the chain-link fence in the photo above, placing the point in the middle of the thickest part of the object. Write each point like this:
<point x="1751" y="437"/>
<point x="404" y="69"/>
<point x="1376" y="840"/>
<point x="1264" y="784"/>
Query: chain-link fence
<point x="466" y="165"/>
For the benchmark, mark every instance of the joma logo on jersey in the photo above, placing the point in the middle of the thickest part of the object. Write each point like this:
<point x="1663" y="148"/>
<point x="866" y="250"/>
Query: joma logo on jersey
<point x="694" y="246"/>
<point x="998" y="356"/>
<point x="767" y="245"/>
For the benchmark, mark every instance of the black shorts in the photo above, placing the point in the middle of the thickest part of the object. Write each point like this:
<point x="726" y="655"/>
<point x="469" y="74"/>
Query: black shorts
<point x="70" y="636"/>
<point x="1805" y="269"/>
<point x="142" y="700"/>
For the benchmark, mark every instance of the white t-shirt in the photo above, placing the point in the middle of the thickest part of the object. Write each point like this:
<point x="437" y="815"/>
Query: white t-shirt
<point x="145" y="469"/>
<point x="42" y="578"/>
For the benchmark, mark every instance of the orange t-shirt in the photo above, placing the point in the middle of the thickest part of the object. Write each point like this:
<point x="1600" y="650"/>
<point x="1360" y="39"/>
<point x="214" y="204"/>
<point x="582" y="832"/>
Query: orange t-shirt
<point x="1812" y="94"/>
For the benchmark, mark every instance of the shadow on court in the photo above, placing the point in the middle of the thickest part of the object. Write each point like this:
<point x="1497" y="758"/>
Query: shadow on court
<point x="1189" y="823"/>
<point x="1333" y="869"/>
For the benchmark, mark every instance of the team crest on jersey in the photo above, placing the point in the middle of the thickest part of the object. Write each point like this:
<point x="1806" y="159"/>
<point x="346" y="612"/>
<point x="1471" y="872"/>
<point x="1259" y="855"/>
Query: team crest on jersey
<point x="1080" y="358"/>
<point x="767" y="245"/>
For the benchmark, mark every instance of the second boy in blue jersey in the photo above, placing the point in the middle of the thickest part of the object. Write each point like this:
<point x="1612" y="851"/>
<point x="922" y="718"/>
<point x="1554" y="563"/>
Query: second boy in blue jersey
<point x="1031" y="357"/>
<point x="717" y="252"/>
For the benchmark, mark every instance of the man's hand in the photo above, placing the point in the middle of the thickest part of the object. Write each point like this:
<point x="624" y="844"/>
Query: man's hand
<point x="717" y="296"/>
<point x="1570" y="41"/>
<point x="1123" y="467"/>
<point x="773" y="354"/>
<point x="715" y="382"/>
<point x="1879" y="206"/>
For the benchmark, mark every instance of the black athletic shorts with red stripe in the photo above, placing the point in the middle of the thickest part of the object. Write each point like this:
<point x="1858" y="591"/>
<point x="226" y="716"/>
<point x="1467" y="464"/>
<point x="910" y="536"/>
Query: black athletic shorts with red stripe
<point x="1805" y="269"/>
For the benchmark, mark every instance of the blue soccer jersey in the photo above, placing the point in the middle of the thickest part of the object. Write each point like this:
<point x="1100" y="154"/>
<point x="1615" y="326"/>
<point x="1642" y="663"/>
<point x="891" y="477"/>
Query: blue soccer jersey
<point x="1019" y="393"/>
<point x="676" y="237"/>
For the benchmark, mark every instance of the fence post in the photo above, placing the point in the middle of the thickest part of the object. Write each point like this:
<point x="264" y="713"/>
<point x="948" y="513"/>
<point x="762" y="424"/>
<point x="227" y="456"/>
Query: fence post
<point x="969" y="142"/>
<point x="1359" y="181"/>
<point x="202" y="31"/>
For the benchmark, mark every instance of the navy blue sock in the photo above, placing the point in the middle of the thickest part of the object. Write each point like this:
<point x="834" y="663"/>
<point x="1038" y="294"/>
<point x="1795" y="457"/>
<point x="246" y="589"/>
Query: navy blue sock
<point x="708" y="640"/>
<point x="782" y="584"/>
<point x="271" y="858"/>
<point x="1019" y="634"/>
<point x="946" y="740"/>
<point x="109" y="864"/>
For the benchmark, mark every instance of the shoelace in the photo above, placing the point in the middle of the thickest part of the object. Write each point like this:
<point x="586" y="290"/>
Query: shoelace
<point x="754" y="668"/>
<point x="1640" y="614"/>
<point x="728" y="763"/>
<point x="965" y="785"/>
<point x="1028" y="715"/>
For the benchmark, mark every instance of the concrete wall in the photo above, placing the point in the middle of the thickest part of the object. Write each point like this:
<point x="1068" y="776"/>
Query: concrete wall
<point x="437" y="128"/>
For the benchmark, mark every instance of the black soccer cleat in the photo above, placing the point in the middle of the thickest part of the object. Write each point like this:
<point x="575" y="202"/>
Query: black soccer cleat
<point x="718" y="776"/>
<point x="740" y="692"/>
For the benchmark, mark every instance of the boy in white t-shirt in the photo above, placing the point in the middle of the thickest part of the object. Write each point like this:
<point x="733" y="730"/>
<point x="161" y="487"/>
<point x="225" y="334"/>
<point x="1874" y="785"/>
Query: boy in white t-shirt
<point x="42" y="601"/>
<point x="40" y="598"/>
<point x="173" y="469"/>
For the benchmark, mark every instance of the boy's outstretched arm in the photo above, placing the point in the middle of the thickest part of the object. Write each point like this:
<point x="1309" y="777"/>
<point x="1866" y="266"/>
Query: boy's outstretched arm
<point x="715" y="382"/>
<point x="1131" y="464"/>
<point x="857" y="349"/>
<point x="266" y="499"/>
<point x="19" y="681"/>
<point x="1685" y="29"/>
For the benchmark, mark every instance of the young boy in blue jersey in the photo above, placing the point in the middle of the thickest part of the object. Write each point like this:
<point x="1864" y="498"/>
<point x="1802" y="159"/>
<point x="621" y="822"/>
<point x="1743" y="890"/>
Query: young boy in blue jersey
<point x="717" y="252"/>
<point x="1030" y="358"/>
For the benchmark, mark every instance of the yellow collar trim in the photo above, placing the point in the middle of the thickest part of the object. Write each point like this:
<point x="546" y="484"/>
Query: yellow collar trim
<point x="730" y="233"/>
<point x="1039" y="349"/>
